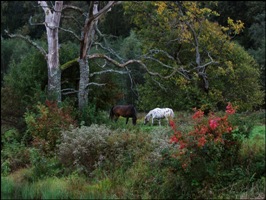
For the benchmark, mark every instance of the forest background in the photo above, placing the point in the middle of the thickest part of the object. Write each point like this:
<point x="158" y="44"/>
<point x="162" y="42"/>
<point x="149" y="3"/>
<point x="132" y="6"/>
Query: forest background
<point x="182" y="55"/>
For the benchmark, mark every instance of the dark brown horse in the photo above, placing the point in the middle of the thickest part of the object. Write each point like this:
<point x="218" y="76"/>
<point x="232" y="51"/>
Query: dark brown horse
<point x="127" y="111"/>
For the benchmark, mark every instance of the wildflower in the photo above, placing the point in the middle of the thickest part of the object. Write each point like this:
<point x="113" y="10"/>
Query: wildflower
<point x="198" y="114"/>
<point x="203" y="130"/>
<point x="213" y="123"/>
<point x="229" y="129"/>
<point x="182" y="145"/>
<point x="172" y="124"/>
<point x="201" y="142"/>
<point x="173" y="139"/>
<point x="229" y="109"/>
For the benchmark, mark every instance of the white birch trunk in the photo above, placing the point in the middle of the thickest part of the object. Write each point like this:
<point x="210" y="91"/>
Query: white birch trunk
<point x="52" y="22"/>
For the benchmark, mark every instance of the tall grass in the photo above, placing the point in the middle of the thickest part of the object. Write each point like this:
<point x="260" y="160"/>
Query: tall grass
<point x="135" y="168"/>
<point x="56" y="188"/>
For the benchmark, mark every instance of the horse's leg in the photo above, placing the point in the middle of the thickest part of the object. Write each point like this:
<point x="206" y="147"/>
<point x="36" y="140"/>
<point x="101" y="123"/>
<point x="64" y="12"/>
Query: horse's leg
<point x="159" y="122"/>
<point x="152" y="121"/>
<point x="127" y="120"/>
<point x="116" y="118"/>
<point x="134" y="120"/>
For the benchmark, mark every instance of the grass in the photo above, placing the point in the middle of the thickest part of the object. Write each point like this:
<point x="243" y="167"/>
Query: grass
<point x="145" y="177"/>
<point x="56" y="188"/>
<point x="258" y="131"/>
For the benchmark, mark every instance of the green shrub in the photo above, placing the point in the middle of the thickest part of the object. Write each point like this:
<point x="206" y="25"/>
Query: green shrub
<point x="12" y="109"/>
<point x="14" y="154"/>
<point x="27" y="76"/>
<point x="81" y="148"/>
<point x="206" y="152"/>
<point x="46" y="123"/>
<point x="90" y="115"/>
<point x="87" y="148"/>
<point x="43" y="166"/>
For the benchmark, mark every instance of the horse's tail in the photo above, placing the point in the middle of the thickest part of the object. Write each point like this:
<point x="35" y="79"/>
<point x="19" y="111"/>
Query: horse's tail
<point x="111" y="115"/>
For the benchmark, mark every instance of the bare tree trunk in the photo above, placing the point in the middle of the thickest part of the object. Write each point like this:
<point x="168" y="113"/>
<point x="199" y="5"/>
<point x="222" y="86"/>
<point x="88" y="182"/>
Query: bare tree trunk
<point x="83" y="92"/>
<point x="87" y="37"/>
<point x="52" y="21"/>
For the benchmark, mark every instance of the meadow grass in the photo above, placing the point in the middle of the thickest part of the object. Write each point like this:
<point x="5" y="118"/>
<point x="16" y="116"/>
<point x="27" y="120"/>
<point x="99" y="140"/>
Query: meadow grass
<point x="142" y="178"/>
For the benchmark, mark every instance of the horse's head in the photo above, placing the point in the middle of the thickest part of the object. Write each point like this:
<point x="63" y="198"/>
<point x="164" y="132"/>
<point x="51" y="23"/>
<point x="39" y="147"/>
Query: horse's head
<point x="147" y="119"/>
<point x="111" y="115"/>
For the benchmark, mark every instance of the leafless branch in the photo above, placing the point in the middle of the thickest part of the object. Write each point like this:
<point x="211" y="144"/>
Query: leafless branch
<point x="108" y="71"/>
<point x="72" y="32"/>
<point x="158" y="61"/>
<point x="123" y="65"/>
<point x="110" y="50"/>
<point x="104" y="9"/>
<point x="96" y="84"/>
<point x="157" y="51"/>
<point x="27" y="39"/>
<point x="68" y="91"/>
<point x="34" y="24"/>
<point x="73" y="8"/>
<point x="159" y="84"/>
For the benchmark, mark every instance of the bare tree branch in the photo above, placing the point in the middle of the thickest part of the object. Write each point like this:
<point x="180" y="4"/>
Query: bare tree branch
<point x="34" y="24"/>
<point x="103" y="10"/>
<point x="27" y="39"/>
<point x="109" y="71"/>
<point x="73" y="8"/>
<point x="123" y="65"/>
<point x="110" y="50"/>
<point x="72" y="32"/>
<point x="157" y="51"/>
<point x="159" y="84"/>
<point x="67" y="91"/>
<point x="96" y="84"/>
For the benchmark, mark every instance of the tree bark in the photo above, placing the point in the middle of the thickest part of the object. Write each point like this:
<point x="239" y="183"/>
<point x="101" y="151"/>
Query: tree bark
<point x="52" y="22"/>
<point x="83" y="92"/>
<point x="87" y="38"/>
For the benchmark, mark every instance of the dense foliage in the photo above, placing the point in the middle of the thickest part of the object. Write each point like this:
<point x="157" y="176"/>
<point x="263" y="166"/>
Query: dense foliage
<point x="51" y="150"/>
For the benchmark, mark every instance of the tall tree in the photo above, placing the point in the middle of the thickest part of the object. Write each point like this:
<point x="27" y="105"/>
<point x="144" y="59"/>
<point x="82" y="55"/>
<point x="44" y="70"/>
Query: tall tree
<point x="52" y="22"/>
<point x="87" y="38"/>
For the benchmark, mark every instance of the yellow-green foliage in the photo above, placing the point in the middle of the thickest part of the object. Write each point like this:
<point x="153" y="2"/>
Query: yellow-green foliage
<point x="72" y="63"/>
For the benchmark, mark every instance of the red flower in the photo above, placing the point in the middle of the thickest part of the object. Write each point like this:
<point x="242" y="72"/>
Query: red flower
<point x="198" y="114"/>
<point x="202" y="141"/>
<point x="229" y="129"/>
<point x="213" y="123"/>
<point x="172" y="124"/>
<point x="182" y="145"/>
<point x="203" y="130"/>
<point x="173" y="139"/>
<point x="229" y="109"/>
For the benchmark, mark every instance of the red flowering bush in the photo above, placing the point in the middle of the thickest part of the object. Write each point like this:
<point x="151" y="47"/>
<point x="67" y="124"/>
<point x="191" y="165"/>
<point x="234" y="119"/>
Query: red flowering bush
<point x="45" y="125"/>
<point x="210" y="146"/>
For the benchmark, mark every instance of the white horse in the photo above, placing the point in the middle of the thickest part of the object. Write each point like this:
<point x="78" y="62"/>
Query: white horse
<point x="159" y="113"/>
